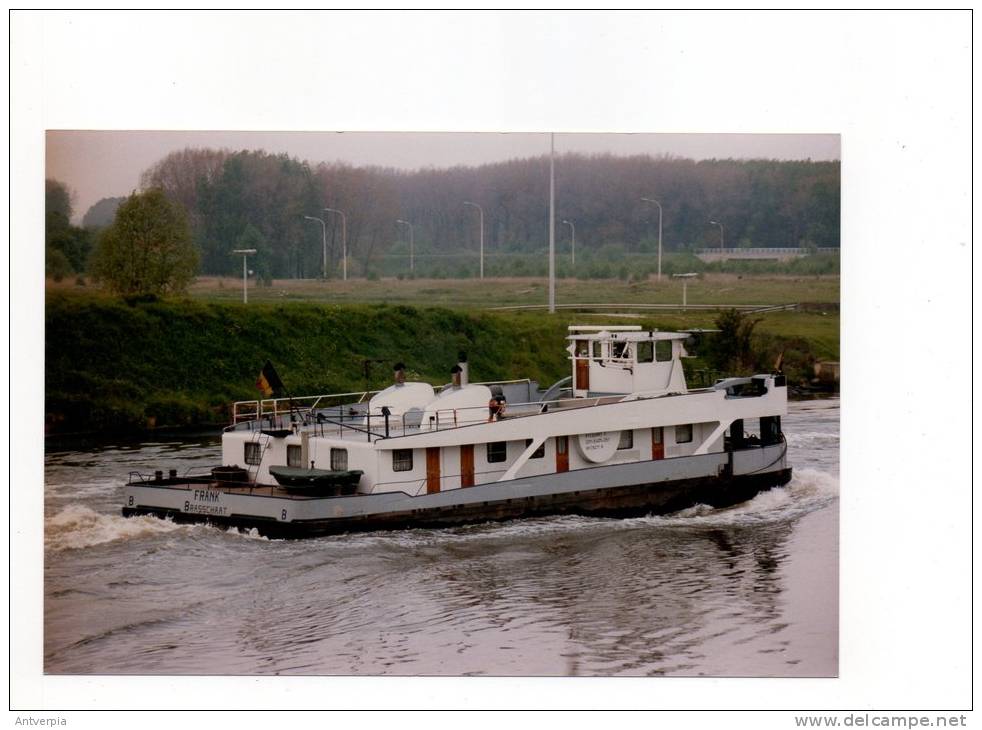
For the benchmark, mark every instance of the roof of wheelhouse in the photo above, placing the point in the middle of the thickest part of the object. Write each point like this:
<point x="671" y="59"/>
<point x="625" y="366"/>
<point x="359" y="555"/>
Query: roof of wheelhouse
<point x="622" y="333"/>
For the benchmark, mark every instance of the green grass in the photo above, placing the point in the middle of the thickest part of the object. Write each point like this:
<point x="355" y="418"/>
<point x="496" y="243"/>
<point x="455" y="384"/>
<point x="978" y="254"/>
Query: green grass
<point x="113" y="366"/>
<point x="474" y="293"/>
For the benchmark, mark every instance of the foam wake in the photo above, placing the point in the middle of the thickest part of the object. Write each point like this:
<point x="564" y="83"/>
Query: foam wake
<point x="76" y="526"/>
<point x="808" y="490"/>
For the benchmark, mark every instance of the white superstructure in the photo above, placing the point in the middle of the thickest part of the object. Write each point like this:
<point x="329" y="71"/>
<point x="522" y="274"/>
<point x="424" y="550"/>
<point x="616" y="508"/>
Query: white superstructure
<point x="628" y="403"/>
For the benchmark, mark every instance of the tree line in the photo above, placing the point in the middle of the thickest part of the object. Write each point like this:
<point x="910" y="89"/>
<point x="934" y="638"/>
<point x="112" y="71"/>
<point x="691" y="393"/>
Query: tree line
<point x="254" y="199"/>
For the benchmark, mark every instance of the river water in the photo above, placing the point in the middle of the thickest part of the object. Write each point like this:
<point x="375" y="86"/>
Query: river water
<point x="746" y="591"/>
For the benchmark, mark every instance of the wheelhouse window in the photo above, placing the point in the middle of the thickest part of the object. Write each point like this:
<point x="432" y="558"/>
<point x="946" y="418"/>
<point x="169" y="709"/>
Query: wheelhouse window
<point x="339" y="459"/>
<point x="497" y="452"/>
<point x="402" y="460"/>
<point x="253" y="453"/>
<point x="619" y="350"/>
<point x="646" y="351"/>
<point x="539" y="452"/>
<point x="663" y="350"/>
<point x="683" y="433"/>
<point x="598" y="350"/>
<point x="293" y="455"/>
<point x="627" y="440"/>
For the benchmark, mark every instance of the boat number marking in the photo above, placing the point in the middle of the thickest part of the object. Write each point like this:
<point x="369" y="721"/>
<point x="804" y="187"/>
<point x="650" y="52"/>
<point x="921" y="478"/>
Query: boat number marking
<point x="205" y="502"/>
<point x="283" y="515"/>
<point x="131" y="500"/>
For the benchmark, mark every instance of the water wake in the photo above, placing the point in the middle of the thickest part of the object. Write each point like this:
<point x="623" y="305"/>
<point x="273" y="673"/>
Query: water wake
<point x="77" y="526"/>
<point x="808" y="490"/>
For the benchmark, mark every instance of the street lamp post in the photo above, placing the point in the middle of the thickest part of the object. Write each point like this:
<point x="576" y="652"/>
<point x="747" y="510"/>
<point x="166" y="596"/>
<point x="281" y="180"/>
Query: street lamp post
<point x="323" y="238"/>
<point x="685" y="285"/>
<point x="481" y="211"/>
<point x="652" y="200"/>
<point x="412" y="259"/>
<point x="714" y="223"/>
<point x="572" y="240"/>
<point x="344" y="243"/>
<point x="245" y="253"/>
<point x="552" y="223"/>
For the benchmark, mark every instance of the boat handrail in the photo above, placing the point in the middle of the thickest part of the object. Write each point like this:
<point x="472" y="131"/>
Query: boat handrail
<point x="452" y="415"/>
<point x="372" y="425"/>
<point x="449" y="418"/>
<point x="252" y="410"/>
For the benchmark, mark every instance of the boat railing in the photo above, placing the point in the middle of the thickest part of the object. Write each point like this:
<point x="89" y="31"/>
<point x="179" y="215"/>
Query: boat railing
<point x="469" y="415"/>
<point x="255" y="410"/>
<point x="317" y="417"/>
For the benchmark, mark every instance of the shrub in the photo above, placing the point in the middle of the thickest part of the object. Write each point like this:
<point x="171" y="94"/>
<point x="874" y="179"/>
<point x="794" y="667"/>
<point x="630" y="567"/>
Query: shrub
<point x="57" y="265"/>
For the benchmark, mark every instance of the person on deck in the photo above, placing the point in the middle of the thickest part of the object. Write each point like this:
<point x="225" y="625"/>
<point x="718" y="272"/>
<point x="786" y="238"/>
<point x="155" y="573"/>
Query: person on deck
<point x="496" y="408"/>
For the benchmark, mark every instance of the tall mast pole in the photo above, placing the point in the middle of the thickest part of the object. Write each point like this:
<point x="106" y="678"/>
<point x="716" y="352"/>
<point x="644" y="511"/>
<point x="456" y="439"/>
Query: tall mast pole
<point x="552" y="222"/>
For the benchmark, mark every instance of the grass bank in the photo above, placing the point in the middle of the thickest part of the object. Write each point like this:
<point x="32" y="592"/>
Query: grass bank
<point x="712" y="288"/>
<point x="113" y="366"/>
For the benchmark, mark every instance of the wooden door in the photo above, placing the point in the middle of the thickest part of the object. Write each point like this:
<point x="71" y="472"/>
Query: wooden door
<point x="582" y="374"/>
<point x="432" y="469"/>
<point x="562" y="453"/>
<point x="657" y="444"/>
<point x="467" y="465"/>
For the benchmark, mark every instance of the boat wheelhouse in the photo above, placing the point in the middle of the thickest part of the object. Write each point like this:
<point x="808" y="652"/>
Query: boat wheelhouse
<point x="621" y="435"/>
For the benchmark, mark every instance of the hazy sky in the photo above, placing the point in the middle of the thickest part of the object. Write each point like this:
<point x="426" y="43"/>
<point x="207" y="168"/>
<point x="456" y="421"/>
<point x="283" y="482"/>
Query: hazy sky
<point x="105" y="164"/>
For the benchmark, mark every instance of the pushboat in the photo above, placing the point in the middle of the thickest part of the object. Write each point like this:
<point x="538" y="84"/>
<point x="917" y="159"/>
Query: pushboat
<point x="622" y="435"/>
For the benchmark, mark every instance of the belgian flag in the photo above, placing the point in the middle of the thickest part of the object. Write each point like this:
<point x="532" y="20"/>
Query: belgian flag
<point x="269" y="382"/>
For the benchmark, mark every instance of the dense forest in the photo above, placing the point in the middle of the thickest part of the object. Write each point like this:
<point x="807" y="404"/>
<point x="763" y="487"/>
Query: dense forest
<point x="253" y="199"/>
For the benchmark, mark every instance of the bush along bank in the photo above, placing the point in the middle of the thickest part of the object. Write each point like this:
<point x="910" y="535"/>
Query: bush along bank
<point x="117" y="367"/>
<point x="113" y="366"/>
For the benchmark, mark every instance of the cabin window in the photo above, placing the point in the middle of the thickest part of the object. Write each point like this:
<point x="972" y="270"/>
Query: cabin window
<point x="683" y="433"/>
<point x="598" y="350"/>
<point x="339" y="459"/>
<point x="663" y="350"/>
<point x="293" y="455"/>
<point x="402" y="460"/>
<point x="646" y="351"/>
<point x="253" y="454"/>
<point x="497" y="452"/>
<point x="627" y="440"/>
<point x="562" y="444"/>
<point x="582" y="348"/>
<point x="619" y="350"/>
<point x="539" y="452"/>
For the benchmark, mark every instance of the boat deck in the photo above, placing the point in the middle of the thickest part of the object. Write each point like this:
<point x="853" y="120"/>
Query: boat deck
<point x="191" y="483"/>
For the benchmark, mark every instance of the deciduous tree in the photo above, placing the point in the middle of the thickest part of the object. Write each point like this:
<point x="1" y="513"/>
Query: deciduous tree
<point x="147" y="249"/>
